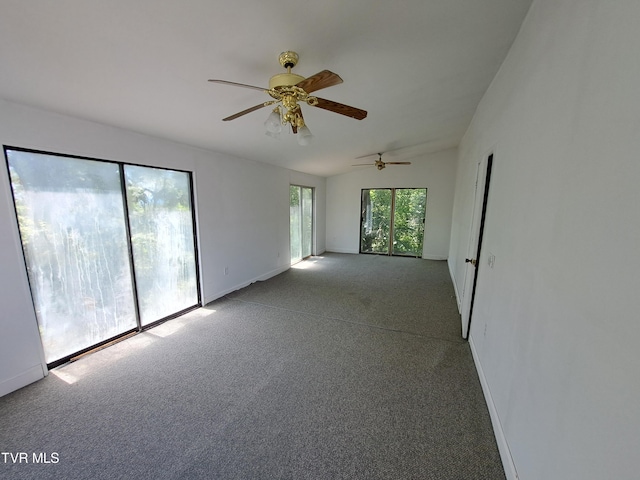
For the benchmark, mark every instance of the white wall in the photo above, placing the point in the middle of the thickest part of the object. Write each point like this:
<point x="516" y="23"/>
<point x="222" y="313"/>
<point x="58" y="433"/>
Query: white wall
<point x="242" y="212"/>
<point x="555" y="325"/>
<point x="434" y="171"/>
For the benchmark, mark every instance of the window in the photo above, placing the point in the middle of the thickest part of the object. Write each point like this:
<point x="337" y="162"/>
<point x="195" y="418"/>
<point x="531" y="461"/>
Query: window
<point x="392" y="221"/>
<point x="103" y="260"/>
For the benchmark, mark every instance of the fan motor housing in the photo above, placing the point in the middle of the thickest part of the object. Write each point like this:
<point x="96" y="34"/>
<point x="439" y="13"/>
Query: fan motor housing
<point x="284" y="79"/>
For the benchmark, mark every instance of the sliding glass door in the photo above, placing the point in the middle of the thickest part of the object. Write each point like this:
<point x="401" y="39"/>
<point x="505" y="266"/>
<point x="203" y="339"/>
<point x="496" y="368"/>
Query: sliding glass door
<point x="392" y="221"/>
<point x="71" y="218"/>
<point x="301" y="222"/>
<point x="375" y="222"/>
<point x="409" y="208"/>
<point x="102" y="263"/>
<point x="162" y="238"/>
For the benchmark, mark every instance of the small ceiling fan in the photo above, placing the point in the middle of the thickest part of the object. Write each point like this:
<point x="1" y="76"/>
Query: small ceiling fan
<point x="288" y="90"/>
<point x="379" y="164"/>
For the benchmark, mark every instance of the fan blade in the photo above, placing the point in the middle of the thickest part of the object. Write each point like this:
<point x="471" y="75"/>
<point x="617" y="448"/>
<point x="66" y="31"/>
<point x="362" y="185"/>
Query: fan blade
<point x="365" y="156"/>
<point x="362" y="164"/>
<point x="244" y="112"/>
<point x="398" y="163"/>
<point x="224" y="82"/>
<point x="320" y="80"/>
<point x="342" y="109"/>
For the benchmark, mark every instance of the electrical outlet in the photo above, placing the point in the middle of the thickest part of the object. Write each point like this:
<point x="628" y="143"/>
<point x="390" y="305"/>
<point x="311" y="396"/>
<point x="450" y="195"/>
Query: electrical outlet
<point x="226" y="270"/>
<point x="491" y="260"/>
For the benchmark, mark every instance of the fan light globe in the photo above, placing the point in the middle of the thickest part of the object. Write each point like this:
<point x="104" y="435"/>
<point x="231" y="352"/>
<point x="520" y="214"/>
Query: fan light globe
<point x="304" y="136"/>
<point x="272" y="123"/>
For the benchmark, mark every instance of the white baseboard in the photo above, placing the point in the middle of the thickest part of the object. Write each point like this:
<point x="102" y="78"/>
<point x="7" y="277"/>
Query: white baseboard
<point x="341" y="250"/>
<point x="214" y="296"/>
<point x="503" y="446"/>
<point x="23" y="379"/>
<point x="433" y="257"/>
<point x="349" y="250"/>
<point x="455" y="287"/>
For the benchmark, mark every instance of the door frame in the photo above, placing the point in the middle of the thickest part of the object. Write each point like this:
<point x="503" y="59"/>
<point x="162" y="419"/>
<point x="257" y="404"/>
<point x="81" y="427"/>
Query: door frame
<point x="476" y="234"/>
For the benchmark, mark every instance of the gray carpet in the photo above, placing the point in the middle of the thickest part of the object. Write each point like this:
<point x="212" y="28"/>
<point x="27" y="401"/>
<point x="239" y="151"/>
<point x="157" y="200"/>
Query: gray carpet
<point x="352" y="368"/>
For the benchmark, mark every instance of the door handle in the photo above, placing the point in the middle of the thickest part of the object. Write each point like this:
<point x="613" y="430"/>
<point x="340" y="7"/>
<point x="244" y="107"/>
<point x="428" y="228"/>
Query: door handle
<point x="472" y="261"/>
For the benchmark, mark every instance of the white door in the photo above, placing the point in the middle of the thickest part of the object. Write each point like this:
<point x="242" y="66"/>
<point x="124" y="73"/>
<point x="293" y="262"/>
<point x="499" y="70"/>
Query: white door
<point x="472" y="261"/>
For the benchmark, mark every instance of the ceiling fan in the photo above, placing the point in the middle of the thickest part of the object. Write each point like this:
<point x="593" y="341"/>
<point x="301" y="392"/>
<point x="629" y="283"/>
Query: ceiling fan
<point x="379" y="164"/>
<point x="288" y="91"/>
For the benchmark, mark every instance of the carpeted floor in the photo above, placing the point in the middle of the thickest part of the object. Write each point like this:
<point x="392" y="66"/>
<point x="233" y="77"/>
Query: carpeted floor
<point x="349" y="368"/>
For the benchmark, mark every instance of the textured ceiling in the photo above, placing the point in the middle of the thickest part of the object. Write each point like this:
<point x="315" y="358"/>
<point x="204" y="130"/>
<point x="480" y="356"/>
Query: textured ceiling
<point x="419" y="67"/>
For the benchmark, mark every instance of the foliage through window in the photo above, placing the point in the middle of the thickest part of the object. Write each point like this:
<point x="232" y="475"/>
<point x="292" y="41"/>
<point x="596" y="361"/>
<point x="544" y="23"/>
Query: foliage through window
<point x="392" y="221"/>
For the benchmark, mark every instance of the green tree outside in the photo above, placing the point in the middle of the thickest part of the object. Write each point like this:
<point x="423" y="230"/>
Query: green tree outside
<point x="409" y="206"/>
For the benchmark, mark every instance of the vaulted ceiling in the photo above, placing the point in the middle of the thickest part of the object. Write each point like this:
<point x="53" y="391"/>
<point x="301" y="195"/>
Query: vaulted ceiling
<point x="419" y="67"/>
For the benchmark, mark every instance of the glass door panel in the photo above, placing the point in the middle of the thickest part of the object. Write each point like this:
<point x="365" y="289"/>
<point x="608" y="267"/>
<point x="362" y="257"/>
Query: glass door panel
<point x="295" y="222"/>
<point x="300" y="222"/>
<point x="71" y="219"/>
<point x="408" y="221"/>
<point x="375" y="224"/>
<point x="162" y="240"/>
<point x="307" y="221"/>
